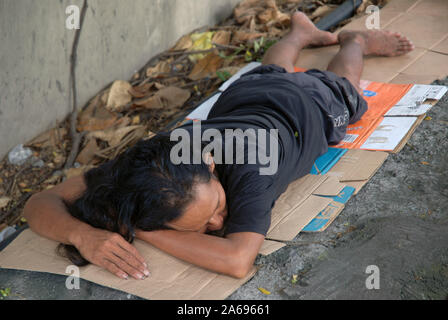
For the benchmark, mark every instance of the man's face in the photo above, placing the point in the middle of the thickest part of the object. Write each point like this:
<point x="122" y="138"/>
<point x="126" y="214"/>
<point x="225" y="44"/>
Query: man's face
<point x="207" y="211"/>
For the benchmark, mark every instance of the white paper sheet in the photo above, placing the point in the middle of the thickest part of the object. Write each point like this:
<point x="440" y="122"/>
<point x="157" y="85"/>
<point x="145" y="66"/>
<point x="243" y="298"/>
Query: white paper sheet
<point x="419" y="93"/>
<point x="436" y="92"/>
<point x="389" y="133"/>
<point x="202" y="111"/>
<point x="409" y="110"/>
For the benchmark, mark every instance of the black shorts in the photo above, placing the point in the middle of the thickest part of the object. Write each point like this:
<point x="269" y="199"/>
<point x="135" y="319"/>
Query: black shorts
<point x="337" y="98"/>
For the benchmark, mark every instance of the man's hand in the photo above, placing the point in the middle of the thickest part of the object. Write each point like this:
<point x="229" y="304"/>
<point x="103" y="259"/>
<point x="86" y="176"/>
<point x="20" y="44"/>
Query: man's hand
<point x="112" y="252"/>
<point x="47" y="215"/>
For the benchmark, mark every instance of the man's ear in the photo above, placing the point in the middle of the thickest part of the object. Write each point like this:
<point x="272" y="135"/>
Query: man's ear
<point x="208" y="159"/>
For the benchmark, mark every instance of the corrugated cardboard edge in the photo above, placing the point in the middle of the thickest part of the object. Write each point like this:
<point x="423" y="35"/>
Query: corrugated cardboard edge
<point x="411" y="131"/>
<point x="329" y="188"/>
<point x="296" y="193"/>
<point x="406" y="138"/>
<point x="171" y="278"/>
<point x="334" y="214"/>
<point x="269" y="247"/>
<point x="316" y="195"/>
<point x="293" y="223"/>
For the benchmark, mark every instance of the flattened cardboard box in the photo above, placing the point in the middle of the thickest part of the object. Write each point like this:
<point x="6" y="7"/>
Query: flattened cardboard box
<point x="170" y="278"/>
<point x="356" y="167"/>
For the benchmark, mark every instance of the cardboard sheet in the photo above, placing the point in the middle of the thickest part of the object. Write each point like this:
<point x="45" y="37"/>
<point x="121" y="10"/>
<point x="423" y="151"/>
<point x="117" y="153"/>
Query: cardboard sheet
<point x="325" y="162"/>
<point x="326" y="217"/>
<point x="304" y="199"/>
<point x="290" y="225"/>
<point x="356" y="167"/>
<point x="170" y="279"/>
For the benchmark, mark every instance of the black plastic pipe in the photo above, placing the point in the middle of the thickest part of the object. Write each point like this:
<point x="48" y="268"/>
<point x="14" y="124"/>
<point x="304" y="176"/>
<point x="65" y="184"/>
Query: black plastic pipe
<point x="344" y="11"/>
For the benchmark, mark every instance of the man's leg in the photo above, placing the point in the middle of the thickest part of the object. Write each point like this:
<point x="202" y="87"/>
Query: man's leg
<point x="348" y="62"/>
<point x="303" y="33"/>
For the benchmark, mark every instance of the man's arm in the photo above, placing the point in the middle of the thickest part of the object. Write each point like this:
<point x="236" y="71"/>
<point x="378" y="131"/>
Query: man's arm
<point x="233" y="255"/>
<point x="47" y="215"/>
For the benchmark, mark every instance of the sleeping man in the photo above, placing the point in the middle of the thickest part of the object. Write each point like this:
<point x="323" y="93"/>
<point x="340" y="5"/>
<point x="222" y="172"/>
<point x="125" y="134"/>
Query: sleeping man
<point x="214" y="210"/>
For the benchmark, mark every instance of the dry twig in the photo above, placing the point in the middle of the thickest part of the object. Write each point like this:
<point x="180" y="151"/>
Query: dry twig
<point x="75" y="136"/>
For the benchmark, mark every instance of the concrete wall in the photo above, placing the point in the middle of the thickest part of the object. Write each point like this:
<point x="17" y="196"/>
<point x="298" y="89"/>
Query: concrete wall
<point x="118" y="37"/>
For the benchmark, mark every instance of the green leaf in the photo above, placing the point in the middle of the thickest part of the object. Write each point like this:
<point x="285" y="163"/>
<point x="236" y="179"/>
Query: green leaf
<point x="256" y="46"/>
<point x="294" y="279"/>
<point x="248" y="56"/>
<point x="223" y="75"/>
<point x="5" y="292"/>
<point x="269" y="44"/>
<point x="222" y="55"/>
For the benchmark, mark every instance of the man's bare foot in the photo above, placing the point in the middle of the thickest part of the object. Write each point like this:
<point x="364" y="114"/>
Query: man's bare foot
<point x="378" y="43"/>
<point x="305" y="29"/>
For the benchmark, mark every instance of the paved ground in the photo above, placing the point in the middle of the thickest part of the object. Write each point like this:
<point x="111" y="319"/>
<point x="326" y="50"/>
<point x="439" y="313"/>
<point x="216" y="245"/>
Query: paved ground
<point x="398" y="222"/>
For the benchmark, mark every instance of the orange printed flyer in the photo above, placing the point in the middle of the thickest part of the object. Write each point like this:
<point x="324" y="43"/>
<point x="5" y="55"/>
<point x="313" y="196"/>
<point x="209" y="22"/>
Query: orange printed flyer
<point x="380" y="97"/>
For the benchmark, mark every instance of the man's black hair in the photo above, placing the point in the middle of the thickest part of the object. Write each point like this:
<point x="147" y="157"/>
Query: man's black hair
<point x="140" y="189"/>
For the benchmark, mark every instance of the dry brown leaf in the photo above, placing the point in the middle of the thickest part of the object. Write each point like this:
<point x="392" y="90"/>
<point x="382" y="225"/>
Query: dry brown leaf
<point x="276" y="32"/>
<point x="50" y="138"/>
<point x="119" y="96"/>
<point x="206" y="67"/>
<point x="138" y="92"/>
<point x="184" y="43"/>
<point x="363" y="6"/>
<point x="95" y="117"/>
<point x="145" y="90"/>
<point x="103" y="98"/>
<point x="122" y="122"/>
<point x="266" y="12"/>
<point x="153" y="102"/>
<point x="161" y="67"/>
<point x="136" y="120"/>
<point x="252" y="25"/>
<point x="267" y="15"/>
<point x="168" y="97"/>
<point x="321" y="11"/>
<point x="222" y="37"/>
<point x="247" y="9"/>
<point x="282" y="19"/>
<point x="243" y="36"/>
<point x="112" y="136"/>
<point x="149" y="135"/>
<point x="88" y="152"/>
<point x="4" y="201"/>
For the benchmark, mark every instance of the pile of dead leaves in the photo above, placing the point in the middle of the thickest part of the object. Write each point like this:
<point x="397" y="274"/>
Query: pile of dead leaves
<point x="167" y="87"/>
